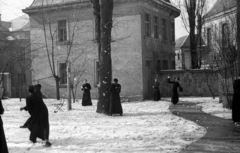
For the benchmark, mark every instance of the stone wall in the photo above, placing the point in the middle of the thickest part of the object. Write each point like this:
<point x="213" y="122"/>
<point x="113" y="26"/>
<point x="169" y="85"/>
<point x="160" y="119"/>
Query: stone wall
<point x="193" y="82"/>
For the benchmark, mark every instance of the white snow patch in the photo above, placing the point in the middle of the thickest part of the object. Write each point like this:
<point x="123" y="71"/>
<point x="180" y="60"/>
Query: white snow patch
<point x="144" y="127"/>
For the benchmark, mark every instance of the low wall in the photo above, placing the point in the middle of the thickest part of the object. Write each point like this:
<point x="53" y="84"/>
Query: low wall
<point x="193" y="82"/>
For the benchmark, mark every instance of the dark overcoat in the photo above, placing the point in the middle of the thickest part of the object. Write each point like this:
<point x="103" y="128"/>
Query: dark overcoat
<point x="86" y="100"/>
<point x="115" y="106"/>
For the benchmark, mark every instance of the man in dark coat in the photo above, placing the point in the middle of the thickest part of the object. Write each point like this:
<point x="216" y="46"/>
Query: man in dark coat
<point x="176" y="85"/>
<point x="236" y="102"/>
<point x="115" y="106"/>
<point x="156" y="91"/>
<point x="86" y="100"/>
<point x="3" y="143"/>
<point x="39" y="125"/>
<point x="38" y="91"/>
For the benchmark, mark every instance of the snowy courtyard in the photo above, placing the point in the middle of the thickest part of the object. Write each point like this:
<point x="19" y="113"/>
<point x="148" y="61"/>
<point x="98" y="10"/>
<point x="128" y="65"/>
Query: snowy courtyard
<point x="145" y="127"/>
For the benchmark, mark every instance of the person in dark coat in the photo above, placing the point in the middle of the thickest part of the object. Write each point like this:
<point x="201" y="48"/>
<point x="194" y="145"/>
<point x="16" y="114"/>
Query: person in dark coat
<point x="86" y="100"/>
<point x="156" y="91"/>
<point x="38" y="91"/>
<point x="176" y="85"/>
<point x="115" y="106"/>
<point x="236" y="102"/>
<point x="39" y="125"/>
<point x="3" y="147"/>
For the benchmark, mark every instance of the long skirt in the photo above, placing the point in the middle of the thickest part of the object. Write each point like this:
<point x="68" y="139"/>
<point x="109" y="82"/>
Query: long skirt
<point x="156" y="95"/>
<point x="86" y="101"/>
<point x="3" y="147"/>
<point x="236" y="107"/>
<point x="115" y="106"/>
<point x="175" y="98"/>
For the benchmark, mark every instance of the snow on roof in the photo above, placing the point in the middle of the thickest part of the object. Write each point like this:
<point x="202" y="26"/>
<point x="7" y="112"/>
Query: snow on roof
<point x="220" y="6"/>
<point x="21" y="23"/>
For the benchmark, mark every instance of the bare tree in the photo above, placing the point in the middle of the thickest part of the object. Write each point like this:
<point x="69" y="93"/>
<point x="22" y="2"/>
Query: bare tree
<point x="192" y="13"/>
<point x="51" y="34"/>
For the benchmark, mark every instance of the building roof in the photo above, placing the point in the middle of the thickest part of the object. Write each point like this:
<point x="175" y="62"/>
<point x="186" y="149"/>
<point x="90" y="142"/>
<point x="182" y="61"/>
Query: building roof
<point x="184" y="42"/>
<point x="180" y="41"/>
<point x="21" y="23"/>
<point x="54" y="3"/>
<point x="221" y="6"/>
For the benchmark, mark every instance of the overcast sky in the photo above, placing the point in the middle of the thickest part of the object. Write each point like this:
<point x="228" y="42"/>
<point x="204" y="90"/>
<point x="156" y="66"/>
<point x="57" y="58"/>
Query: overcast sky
<point x="11" y="9"/>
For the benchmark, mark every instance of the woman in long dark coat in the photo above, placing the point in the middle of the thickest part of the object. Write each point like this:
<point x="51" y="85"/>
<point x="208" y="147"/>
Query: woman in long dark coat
<point x="115" y="106"/>
<point x="86" y="100"/>
<point x="236" y="102"/>
<point x="176" y="85"/>
<point x="3" y="147"/>
<point x="156" y="91"/>
<point x="39" y="125"/>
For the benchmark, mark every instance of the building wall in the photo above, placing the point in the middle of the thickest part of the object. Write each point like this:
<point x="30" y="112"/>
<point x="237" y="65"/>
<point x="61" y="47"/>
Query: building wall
<point x="156" y="49"/>
<point x="126" y="53"/>
<point x="193" y="82"/>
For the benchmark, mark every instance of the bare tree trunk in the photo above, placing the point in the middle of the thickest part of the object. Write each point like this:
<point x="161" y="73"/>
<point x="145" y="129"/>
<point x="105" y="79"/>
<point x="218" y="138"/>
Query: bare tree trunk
<point x="191" y="17"/>
<point x="103" y="13"/>
<point x="57" y="80"/>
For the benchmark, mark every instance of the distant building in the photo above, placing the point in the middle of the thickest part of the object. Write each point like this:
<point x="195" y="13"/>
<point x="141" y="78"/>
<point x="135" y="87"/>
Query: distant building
<point x="220" y="28"/>
<point x="143" y="41"/>
<point x="183" y="55"/>
<point x="15" y="57"/>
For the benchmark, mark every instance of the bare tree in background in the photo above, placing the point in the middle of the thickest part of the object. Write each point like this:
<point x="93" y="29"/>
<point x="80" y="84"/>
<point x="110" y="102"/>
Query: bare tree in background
<point x="195" y="10"/>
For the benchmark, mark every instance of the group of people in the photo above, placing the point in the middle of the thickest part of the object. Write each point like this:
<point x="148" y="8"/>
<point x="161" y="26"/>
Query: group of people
<point x="175" y="96"/>
<point x="115" y="106"/>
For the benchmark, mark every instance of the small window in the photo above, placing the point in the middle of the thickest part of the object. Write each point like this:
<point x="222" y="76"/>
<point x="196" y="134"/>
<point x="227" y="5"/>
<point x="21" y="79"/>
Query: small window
<point x="208" y="36"/>
<point x="149" y="63"/>
<point x="148" y="25"/>
<point x="22" y="54"/>
<point x="96" y="71"/>
<point x="62" y="30"/>
<point x="164" y="29"/>
<point x="178" y="55"/>
<point x="63" y="73"/>
<point x="165" y="64"/>
<point x="158" y="64"/>
<point x="173" y="32"/>
<point x="173" y="65"/>
<point x="155" y="27"/>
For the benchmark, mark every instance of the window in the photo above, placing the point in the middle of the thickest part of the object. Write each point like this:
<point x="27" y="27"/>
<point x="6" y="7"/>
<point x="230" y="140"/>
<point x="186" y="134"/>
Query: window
<point x="225" y="35"/>
<point x="173" y="32"/>
<point x="21" y="78"/>
<point x="164" y="29"/>
<point x="208" y="36"/>
<point x="148" y="25"/>
<point x="22" y="54"/>
<point x="155" y="27"/>
<point x="63" y="73"/>
<point x="165" y="64"/>
<point x="178" y="55"/>
<point x="158" y="64"/>
<point x="62" y="30"/>
<point x="173" y="64"/>
<point x="96" y="71"/>
<point x="149" y="63"/>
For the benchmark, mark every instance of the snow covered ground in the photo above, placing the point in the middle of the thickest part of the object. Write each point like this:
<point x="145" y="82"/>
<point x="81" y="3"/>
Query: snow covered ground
<point x="145" y="127"/>
<point x="210" y="106"/>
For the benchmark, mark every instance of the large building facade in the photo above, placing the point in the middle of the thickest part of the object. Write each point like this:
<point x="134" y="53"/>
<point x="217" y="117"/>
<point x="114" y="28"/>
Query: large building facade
<point x="142" y="43"/>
